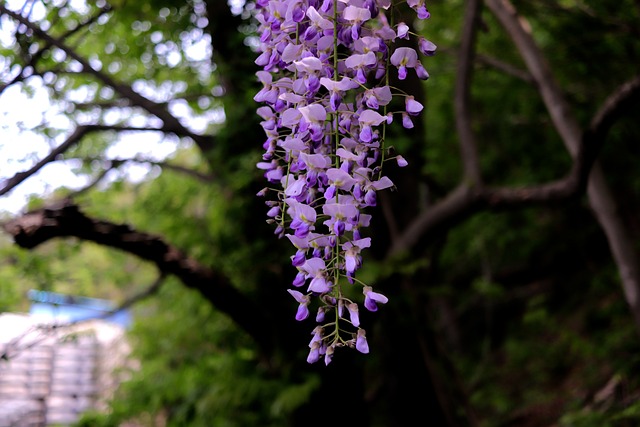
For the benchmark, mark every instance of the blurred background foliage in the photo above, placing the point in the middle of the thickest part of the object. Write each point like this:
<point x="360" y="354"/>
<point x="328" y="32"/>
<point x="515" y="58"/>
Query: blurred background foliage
<point x="518" y="311"/>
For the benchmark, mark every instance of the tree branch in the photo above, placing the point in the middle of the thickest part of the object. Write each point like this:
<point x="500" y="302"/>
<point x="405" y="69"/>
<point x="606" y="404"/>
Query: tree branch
<point x="171" y="123"/>
<point x="456" y="206"/>
<point x="603" y="204"/>
<point x="505" y="67"/>
<point x="615" y="106"/>
<point x="465" y="200"/>
<point x="553" y="97"/>
<point x="144" y="294"/>
<point x="111" y="164"/>
<point x="66" y="220"/>
<point x="203" y="177"/>
<point x="94" y="182"/>
<point x="33" y="59"/>
<point x="72" y="140"/>
<point x="462" y="99"/>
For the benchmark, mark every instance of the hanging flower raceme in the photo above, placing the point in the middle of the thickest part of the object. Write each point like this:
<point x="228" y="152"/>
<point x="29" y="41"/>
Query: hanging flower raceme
<point x="326" y="67"/>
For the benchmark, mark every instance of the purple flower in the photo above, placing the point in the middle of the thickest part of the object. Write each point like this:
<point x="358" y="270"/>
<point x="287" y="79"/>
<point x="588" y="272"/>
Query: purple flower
<point x="420" y="7"/>
<point x="317" y="25"/>
<point x="412" y="106"/>
<point x="316" y="165"/>
<point x="291" y="52"/>
<point x="328" y="356"/>
<point x="269" y="118"/>
<point x="268" y="93"/>
<point x="406" y="121"/>
<point x="421" y="72"/>
<point x="353" y="314"/>
<point x="358" y="62"/>
<point x="377" y="96"/>
<point x="401" y="161"/>
<point x="356" y="16"/>
<point x="317" y="333"/>
<point x="273" y="170"/>
<point x="298" y="242"/>
<point x="426" y="47"/>
<point x="323" y="154"/>
<point x="314" y="115"/>
<point x="299" y="279"/>
<point x="340" y="179"/>
<point x="310" y="67"/>
<point x="382" y="183"/>
<point x="316" y="270"/>
<point x="339" y="212"/>
<point x="367" y="119"/>
<point x="303" y="310"/>
<point x="295" y="12"/>
<point x="403" y="58"/>
<point x="403" y="31"/>
<point x="337" y="89"/>
<point x="290" y="118"/>
<point x="303" y="217"/>
<point x="361" y="342"/>
<point x="369" y="44"/>
<point x="352" y="256"/>
<point x="314" y="353"/>
<point x="372" y="298"/>
<point x="298" y="259"/>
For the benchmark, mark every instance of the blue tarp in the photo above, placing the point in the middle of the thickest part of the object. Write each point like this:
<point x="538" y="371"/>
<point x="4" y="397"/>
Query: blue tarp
<point x="69" y="308"/>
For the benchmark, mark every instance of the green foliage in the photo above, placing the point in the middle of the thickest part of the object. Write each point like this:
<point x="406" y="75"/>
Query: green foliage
<point x="69" y="267"/>
<point x="198" y="369"/>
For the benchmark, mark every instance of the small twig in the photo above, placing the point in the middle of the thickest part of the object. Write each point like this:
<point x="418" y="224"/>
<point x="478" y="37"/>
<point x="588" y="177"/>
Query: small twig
<point x="93" y="183"/>
<point x="165" y="165"/>
<point x="12" y="349"/>
<point x="505" y="67"/>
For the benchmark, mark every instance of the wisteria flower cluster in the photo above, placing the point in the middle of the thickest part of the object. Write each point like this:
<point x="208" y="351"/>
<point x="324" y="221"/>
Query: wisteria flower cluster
<point x="326" y="68"/>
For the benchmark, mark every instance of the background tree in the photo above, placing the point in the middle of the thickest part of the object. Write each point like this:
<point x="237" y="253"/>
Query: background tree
<point x="509" y="252"/>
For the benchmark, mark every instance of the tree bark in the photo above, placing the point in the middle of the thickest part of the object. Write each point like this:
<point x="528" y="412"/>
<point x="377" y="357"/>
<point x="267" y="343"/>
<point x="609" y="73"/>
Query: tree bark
<point x="601" y="200"/>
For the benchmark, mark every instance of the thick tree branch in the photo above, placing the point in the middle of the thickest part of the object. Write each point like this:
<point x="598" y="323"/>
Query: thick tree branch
<point x="465" y="200"/>
<point x="72" y="140"/>
<point x="615" y="106"/>
<point x="553" y="97"/>
<point x="171" y="123"/>
<point x="604" y="206"/>
<point x="226" y="47"/>
<point x="37" y="227"/>
<point x="456" y="206"/>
